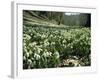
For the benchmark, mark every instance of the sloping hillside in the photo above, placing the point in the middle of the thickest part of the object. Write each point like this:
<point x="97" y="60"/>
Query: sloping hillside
<point x="33" y="18"/>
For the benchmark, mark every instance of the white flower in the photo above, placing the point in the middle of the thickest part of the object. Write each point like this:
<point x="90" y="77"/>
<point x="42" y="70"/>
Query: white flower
<point x="34" y="43"/>
<point x="27" y="37"/>
<point x="28" y="54"/>
<point x="57" y="54"/>
<point x="50" y="53"/>
<point x="24" y="58"/>
<point x="43" y="36"/>
<point x="37" y="57"/>
<point x="59" y="36"/>
<point x="64" y="41"/>
<point x="46" y="43"/>
<point x="52" y="43"/>
<point x="51" y="35"/>
<point x="39" y="50"/>
<point x="47" y="54"/>
<point x="29" y="61"/>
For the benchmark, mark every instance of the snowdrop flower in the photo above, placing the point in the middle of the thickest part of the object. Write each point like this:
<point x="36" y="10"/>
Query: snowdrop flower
<point x="43" y="36"/>
<point x="51" y="35"/>
<point x="46" y="43"/>
<point x="57" y="54"/>
<point x="34" y="43"/>
<point x="50" y="53"/>
<point x="37" y="57"/>
<point x="24" y="58"/>
<point x="64" y="41"/>
<point x="29" y="61"/>
<point x="39" y="50"/>
<point x="27" y="37"/>
<point x="28" y="54"/>
<point x="52" y="43"/>
<point x="47" y="54"/>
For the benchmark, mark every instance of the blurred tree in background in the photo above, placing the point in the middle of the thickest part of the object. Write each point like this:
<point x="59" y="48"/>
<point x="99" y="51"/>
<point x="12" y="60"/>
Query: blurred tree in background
<point x="77" y="19"/>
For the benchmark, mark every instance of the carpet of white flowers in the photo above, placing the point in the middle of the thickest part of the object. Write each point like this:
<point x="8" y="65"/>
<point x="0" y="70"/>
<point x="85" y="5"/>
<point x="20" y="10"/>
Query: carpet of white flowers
<point x="55" y="47"/>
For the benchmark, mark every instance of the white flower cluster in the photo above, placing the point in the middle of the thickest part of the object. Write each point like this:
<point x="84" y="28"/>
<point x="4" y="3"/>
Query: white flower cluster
<point x="46" y="43"/>
<point x="27" y="37"/>
<point x="43" y="36"/>
<point x="37" y="56"/>
<point x="47" y="54"/>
